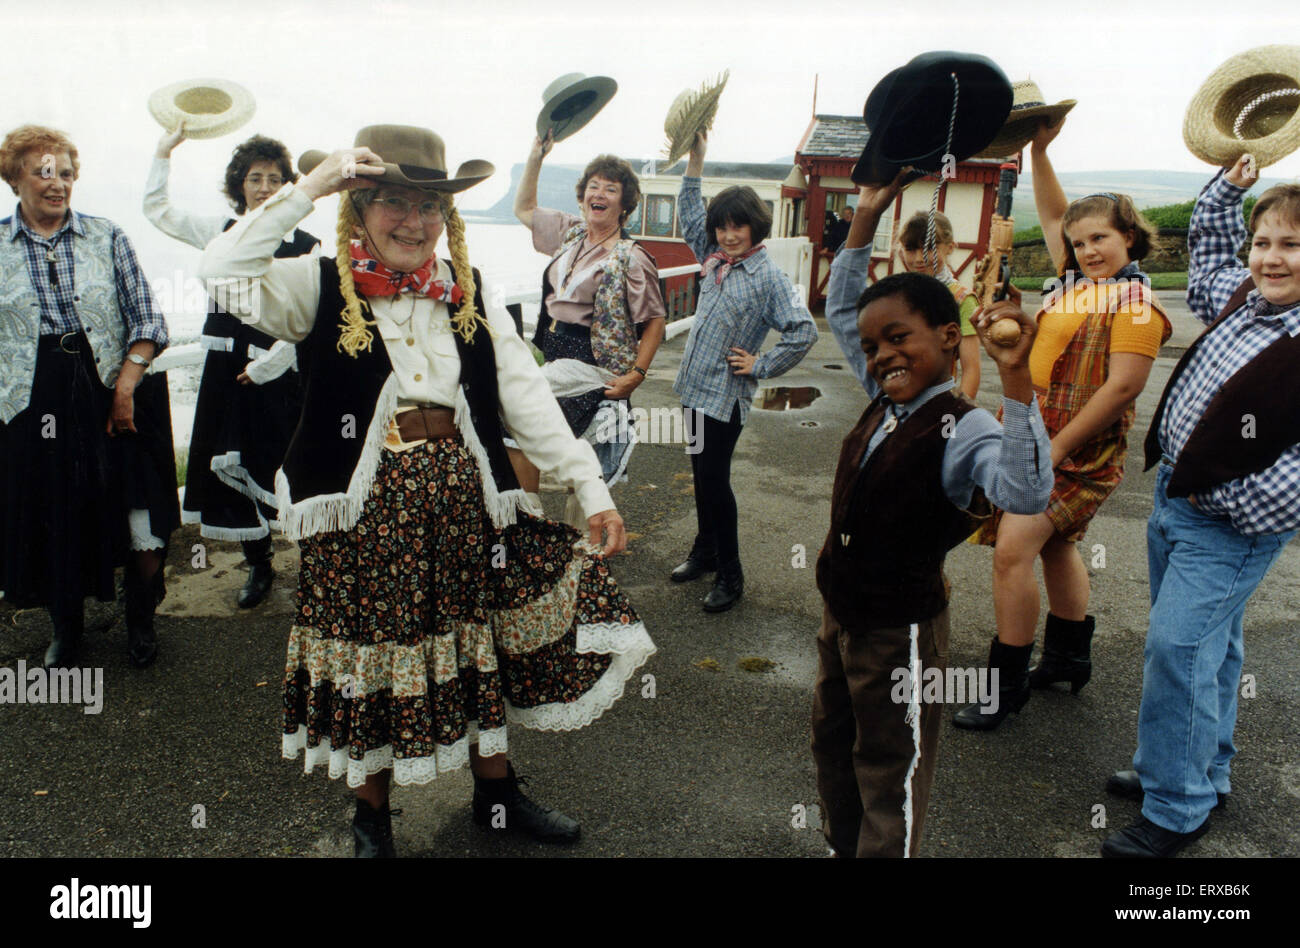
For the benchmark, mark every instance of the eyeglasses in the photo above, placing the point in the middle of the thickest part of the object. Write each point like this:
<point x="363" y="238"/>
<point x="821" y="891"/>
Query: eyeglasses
<point x="255" y="180"/>
<point x="396" y="208"/>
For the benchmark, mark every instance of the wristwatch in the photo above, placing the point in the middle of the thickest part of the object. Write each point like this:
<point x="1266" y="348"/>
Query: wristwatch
<point x="138" y="359"/>
<point x="637" y="368"/>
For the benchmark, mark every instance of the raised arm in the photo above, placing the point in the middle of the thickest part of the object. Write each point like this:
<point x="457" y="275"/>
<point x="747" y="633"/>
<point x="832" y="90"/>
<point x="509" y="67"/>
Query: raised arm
<point x="526" y="193"/>
<point x="1216" y="232"/>
<point x="193" y="229"/>
<point x="690" y="202"/>
<point x="1049" y="196"/>
<point x="242" y="274"/>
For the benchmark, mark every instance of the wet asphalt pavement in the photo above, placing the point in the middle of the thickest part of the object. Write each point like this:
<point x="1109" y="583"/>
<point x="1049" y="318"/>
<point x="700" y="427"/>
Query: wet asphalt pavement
<point x="706" y="758"/>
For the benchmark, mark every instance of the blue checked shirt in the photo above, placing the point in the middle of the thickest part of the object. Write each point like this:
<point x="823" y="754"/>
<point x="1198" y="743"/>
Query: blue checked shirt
<point x="754" y="297"/>
<point x="1263" y="503"/>
<point x="59" y="302"/>
<point x="1011" y="461"/>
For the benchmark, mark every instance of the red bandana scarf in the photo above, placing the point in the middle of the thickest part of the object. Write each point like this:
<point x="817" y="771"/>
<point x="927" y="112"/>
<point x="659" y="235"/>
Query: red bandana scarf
<point x="723" y="263"/>
<point x="372" y="278"/>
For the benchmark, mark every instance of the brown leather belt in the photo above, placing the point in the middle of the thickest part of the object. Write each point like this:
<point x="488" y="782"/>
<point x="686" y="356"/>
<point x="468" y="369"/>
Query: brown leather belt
<point x="420" y="424"/>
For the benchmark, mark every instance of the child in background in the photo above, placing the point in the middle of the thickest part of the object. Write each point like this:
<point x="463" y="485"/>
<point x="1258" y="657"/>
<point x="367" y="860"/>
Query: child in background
<point x="1098" y="336"/>
<point x="742" y="296"/>
<point x="1227" y="500"/>
<point x="911" y="476"/>
<point x="911" y="252"/>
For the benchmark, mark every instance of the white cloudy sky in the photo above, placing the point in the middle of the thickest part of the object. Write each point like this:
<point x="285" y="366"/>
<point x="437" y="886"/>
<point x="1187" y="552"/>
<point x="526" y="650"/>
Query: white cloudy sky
<point x="475" y="70"/>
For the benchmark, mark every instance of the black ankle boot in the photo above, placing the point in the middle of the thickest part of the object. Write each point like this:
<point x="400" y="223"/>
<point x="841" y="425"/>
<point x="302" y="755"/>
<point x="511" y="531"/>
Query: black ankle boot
<point x="499" y="804"/>
<point x="727" y="588"/>
<point x="258" y="554"/>
<point x="1067" y="653"/>
<point x="141" y="640"/>
<point x="701" y="561"/>
<point x="372" y="831"/>
<point x="62" y="652"/>
<point x="1012" y="663"/>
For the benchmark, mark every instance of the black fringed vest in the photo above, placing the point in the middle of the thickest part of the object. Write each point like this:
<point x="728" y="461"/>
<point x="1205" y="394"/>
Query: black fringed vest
<point x="341" y="393"/>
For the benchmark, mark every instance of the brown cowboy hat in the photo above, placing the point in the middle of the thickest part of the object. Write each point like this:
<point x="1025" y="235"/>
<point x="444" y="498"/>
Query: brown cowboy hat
<point x="412" y="157"/>
<point x="1028" y="109"/>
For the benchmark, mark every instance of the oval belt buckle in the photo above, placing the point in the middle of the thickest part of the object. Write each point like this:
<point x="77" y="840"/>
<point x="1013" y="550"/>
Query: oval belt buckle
<point x="63" y="343"/>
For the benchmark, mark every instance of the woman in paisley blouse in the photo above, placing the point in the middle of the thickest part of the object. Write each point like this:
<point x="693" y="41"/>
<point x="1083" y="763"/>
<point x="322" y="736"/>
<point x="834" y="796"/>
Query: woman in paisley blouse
<point x="601" y="301"/>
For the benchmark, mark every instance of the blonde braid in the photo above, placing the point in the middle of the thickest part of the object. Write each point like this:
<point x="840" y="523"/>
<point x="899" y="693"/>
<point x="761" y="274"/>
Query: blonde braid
<point x="467" y="319"/>
<point x="353" y="334"/>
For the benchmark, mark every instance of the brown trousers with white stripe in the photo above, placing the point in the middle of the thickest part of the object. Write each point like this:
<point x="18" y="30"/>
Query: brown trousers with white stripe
<point x="864" y="747"/>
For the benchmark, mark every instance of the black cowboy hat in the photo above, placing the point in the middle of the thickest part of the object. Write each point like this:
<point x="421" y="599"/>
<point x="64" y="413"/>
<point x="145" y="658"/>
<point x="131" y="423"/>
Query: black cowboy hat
<point x="908" y="111"/>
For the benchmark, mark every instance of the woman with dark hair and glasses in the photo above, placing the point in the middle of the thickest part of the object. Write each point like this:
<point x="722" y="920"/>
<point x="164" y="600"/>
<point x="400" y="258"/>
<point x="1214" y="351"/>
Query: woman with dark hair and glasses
<point x="249" y="398"/>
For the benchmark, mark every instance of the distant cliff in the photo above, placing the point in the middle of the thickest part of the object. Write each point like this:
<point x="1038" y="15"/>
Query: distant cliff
<point x="554" y="189"/>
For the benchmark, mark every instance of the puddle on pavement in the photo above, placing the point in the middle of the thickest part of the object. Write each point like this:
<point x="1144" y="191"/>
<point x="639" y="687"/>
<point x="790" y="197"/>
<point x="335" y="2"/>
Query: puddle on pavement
<point x="779" y="398"/>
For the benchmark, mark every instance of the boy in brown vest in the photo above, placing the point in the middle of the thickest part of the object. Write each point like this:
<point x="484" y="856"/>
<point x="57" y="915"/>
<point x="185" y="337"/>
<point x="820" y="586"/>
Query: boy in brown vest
<point x="911" y="476"/>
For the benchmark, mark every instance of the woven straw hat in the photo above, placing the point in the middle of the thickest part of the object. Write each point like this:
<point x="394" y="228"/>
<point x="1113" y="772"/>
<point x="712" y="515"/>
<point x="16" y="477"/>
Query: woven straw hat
<point x="692" y="111"/>
<point x="1249" y="104"/>
<point x="412" y="157"/>
<point x="209" y="108"/>
<point x="1028" y="108"/>
<point x="571" y="102"/>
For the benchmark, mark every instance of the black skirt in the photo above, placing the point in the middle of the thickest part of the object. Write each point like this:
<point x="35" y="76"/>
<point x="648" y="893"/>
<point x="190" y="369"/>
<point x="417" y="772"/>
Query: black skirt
<point x="571" y="341"/>
<point x="239" y="438"/>
<point x="66" y="486"/>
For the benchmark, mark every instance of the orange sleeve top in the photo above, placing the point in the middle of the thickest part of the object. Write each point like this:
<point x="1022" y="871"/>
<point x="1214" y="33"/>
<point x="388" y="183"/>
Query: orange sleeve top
<point x="1137" y="328"/>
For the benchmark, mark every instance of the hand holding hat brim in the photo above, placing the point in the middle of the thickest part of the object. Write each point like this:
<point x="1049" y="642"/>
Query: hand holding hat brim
<point x="468" y="174"/>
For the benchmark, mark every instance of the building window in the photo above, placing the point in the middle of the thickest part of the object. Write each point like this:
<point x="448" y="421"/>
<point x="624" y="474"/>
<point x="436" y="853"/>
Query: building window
<point x="659" y="215"/>
<point x="633" y="223"/>
<point x="882" y="244"/>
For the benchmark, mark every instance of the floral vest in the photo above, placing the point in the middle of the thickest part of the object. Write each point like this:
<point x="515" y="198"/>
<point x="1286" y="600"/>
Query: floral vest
<point x="613" y="336"/>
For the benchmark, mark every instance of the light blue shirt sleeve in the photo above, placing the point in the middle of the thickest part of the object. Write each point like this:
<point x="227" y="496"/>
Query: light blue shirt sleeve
<point x="847" y="281"/>
<point x="1011" y="461"/>
<point x="790" y="317"/>
<point x="691" y="213"/>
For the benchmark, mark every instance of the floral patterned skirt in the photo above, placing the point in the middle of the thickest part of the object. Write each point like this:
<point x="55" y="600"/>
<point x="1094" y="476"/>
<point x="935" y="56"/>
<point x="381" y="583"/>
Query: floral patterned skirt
<point x="424" y="628"/>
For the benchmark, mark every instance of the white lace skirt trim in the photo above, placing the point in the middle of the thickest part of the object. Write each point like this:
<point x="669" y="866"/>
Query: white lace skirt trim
<point x="406" y="770"/>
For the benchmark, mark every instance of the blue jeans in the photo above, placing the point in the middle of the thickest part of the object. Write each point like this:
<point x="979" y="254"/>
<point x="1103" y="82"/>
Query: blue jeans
<point x="1203" y="572"/>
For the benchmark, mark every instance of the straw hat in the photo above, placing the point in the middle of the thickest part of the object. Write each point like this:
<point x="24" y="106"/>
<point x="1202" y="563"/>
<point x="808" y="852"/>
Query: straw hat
<point x="692" y="111"/>
<point x="1027" y="109"/>
<point x="209" y="108"/>
<point x="571" y="102"/>
<point x="907" y="114"/>
<point x="1249" y="104"/>
<point x="412" y="157"/>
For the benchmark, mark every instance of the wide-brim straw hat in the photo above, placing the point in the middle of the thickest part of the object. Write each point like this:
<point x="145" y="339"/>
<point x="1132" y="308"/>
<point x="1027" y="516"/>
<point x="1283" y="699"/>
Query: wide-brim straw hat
<point x="570" y="102"/>
<point x="1028" y="109"/>
<point x="208" y="107"/>
<point x="908" y="112"/>
<point x="692" y="111"/>
<point x="1249" y="104"/>
<point x="412" y="157"/>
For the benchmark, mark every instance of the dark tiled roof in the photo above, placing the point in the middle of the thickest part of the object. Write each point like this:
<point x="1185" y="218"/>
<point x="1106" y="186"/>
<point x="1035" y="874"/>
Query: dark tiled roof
<point x="837" y="136"/>
<point x="726" y="169"/>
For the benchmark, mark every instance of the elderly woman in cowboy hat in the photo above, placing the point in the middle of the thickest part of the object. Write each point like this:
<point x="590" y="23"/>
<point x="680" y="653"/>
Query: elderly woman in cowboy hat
<point x="601" y="301"/>
<point x="250" y="394"/>
<point x="434" y="603"/>
<point x="87" y="476"/>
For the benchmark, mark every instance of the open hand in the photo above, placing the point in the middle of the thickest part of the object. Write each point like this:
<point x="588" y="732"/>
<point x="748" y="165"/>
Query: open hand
<point x="609" y="523"/>
<point x="343" y="170"/>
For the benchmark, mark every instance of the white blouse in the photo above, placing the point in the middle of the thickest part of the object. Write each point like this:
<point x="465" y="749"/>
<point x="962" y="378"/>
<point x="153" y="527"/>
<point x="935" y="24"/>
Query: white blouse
<point x="281" y="296"/>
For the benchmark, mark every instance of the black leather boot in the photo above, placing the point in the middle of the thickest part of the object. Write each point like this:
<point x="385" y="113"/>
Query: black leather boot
<point x="1067" y="653"/>
<point x="141" y="640"/>
<point x="499" y="804"/>
<point x="701" y="561"/>
<point x="1012" y="663"/>
<point x="372" y="831"/>
<point x="727" y="588"/>
<point x="260" y="573"/>
<point x="62" y="652"/>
